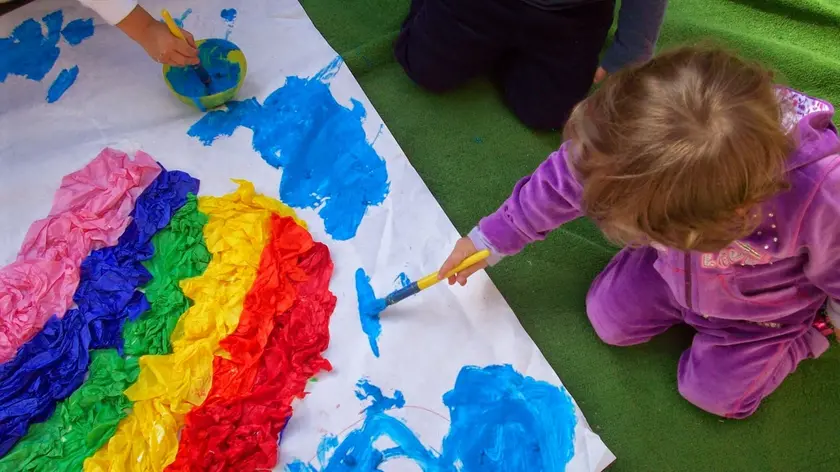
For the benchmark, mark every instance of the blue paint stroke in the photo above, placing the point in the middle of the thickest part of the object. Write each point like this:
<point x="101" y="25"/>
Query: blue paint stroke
<point x="62" y="82"/>
<point x="280" y="435"/>
<point x="229" y="15"/>
<point x="501" y="421"/>
<point x="327" y="444"/>
<point x="402" y="280"/>
<point x="180" y="20"/>
<point x="53" y="22"/>
<point x="321" y="146"/>
<point x="77" y="31"/>
<point x="378" y="402"/>
<point x="28" y="52"/>
<point x="31" y="53"/>
<point x="369" y="309"/>
<point x="214" y="57"/>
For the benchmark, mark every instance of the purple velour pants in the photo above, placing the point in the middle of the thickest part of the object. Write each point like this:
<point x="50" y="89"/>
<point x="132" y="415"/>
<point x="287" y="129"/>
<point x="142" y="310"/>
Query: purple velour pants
<point x="731" y="364"/>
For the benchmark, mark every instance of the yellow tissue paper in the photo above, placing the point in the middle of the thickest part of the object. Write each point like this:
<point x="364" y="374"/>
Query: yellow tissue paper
<point x="171" y="385"/>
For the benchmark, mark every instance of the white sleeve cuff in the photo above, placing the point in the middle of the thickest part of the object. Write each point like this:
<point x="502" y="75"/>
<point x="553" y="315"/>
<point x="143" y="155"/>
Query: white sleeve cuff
<point x="481" y="243"/>
<point x="112" y="11"/>
<point x="832" y="310"/>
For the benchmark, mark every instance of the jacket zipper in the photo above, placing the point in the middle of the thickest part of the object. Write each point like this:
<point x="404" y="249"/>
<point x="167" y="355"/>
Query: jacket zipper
<point x="688" y="280"/>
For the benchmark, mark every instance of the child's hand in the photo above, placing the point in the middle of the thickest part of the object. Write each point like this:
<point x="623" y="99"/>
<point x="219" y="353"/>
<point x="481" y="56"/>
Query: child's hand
<point x="464" y="248"/>
<point x="157" y="40"/>
<point x="165" y="48"/>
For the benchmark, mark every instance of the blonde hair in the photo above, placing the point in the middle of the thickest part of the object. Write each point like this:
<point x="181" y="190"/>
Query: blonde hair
<point x="681" y="150"/>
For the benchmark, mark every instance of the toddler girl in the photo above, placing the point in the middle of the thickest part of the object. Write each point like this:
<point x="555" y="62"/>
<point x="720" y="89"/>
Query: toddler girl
<point x="724" y="190"/>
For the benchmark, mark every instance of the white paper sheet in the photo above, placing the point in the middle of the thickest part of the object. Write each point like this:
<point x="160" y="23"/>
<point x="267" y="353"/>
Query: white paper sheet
<point x="120" y="100"/>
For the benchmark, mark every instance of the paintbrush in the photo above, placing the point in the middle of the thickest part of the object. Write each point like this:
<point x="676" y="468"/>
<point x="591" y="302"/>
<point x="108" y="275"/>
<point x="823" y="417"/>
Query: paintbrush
<point x="432" y="279"/>
<point x="176" y="31"/>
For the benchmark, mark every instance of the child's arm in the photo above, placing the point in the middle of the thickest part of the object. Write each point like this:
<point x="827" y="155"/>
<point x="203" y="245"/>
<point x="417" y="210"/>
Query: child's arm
<point x="152" y="35"/>
<point x="540" y="203"/>
<point x="820" y="234"/>
<point x="639" y="22"/>
<point x="112" y="11"/>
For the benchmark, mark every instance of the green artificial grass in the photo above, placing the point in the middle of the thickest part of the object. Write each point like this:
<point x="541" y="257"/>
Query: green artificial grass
<point x="470" y="151"/>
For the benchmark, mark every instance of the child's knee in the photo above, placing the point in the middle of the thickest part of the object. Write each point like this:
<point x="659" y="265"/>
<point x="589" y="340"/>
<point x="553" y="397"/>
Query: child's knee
<point x="538" y="116"/>
<point x="718" y="396"/>
<point x="716" y="400"/>
<point x="601" y="311"/>
<point x="422" y="70"/>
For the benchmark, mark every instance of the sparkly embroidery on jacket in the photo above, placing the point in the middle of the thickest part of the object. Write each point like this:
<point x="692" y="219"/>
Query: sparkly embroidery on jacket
<point x="800" y="106"/>
<point x="763" y="324"/>
<point x="738" y="253"/>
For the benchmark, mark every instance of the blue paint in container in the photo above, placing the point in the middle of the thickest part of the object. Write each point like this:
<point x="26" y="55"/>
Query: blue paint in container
<point x="224" y="74"/>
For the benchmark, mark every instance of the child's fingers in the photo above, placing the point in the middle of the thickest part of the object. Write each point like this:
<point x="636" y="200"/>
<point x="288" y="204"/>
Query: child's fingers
<point x="189" y="37"/>
<point x="183" y="60"/>
<point x="174" y="59"/>
<point x="466" y="273"/>
<point x="452" y="280"/>
<point x="184" y="49"/>
<point x="451" y="263"/>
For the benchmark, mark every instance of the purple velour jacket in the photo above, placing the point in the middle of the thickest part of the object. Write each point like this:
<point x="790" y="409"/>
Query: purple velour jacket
<point x="791" y="262"/>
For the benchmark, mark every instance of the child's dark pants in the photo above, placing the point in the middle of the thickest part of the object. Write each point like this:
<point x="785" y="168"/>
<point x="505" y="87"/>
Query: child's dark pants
<point x="544" y="60"/>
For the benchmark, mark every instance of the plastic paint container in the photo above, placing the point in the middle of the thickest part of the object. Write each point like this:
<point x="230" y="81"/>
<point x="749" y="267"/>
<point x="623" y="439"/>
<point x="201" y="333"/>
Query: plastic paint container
<point x="226" y="65"/>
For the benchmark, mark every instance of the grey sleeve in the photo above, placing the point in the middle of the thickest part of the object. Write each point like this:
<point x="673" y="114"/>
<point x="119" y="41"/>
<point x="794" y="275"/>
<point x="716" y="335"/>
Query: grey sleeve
<point x="639" y="22"/>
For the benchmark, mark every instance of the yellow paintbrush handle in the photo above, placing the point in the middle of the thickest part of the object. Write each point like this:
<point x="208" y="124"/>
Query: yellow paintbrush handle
<point x="432" y="279"/>
<point x="170" y="23"/>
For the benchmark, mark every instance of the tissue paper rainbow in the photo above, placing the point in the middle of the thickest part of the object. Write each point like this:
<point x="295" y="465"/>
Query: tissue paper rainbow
<point x="144" y="328"/>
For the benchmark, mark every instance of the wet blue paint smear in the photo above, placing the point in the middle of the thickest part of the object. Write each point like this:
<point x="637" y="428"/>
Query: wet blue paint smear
<point x="77" y="31"/>
<point x="213" y="55"/>
<point x="180" y="20"/>
<point x="403" y="280"/>
<point x="28" y="52"/>
<point x="53" y="22"/>
<point x="502" y="421"/>
<point x="378" y="402"/>
<point x="31" y="52"/>
<point x="369" y="309"/>
<point x="327" y="162"/>
<point x="65" y="79"/>
<point x="229" y="15"/>
<point x="327" y="444"/>
<point x="357" y="451"/>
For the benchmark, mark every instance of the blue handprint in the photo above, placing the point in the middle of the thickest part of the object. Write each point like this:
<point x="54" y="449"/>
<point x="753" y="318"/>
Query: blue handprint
<point x="31" y="52"/>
